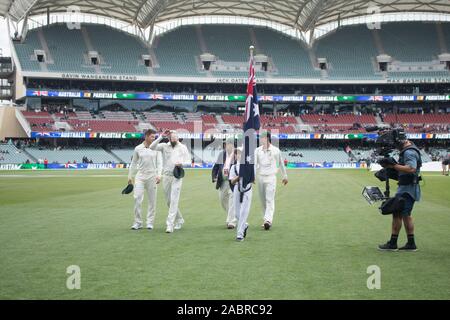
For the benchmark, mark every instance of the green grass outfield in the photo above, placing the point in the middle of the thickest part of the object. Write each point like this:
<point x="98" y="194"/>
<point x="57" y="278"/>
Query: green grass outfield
<point x="324" y="237"/>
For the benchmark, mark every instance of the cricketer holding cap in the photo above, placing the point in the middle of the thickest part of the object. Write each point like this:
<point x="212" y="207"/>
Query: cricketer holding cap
<point x="146" y="168"/>
<point x="174" y="153"/>
<point x="220" y="174"/>
<point x="267" y="161"/>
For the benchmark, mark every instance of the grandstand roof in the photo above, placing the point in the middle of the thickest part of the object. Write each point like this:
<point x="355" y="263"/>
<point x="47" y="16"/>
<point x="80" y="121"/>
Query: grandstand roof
<point x="303" y="14"/>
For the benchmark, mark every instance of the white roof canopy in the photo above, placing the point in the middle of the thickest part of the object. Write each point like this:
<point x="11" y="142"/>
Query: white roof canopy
<point x="304" y="15"/>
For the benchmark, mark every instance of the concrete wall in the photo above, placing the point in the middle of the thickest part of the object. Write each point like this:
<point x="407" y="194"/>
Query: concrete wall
<point x="9" y="125"/>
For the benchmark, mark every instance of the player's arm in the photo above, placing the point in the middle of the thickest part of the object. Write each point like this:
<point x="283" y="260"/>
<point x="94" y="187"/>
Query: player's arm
<point x="156" y="144"/>
<point x="283" y="168"/>
<point x="215" y="168"/>
<point x="133" y="167"/>
<point x="234" y="178"/>
<point x="158" y="167"/>
<point x="255" y="163"/>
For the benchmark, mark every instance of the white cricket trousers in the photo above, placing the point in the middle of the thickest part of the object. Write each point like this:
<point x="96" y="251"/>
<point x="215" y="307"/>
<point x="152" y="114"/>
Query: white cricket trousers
<point x="226" y="200"/>
<point x="267" y="186"/>
<point x="242" y="209"/>
<point x="141" y="185"/>
<point x="172" y="190"/>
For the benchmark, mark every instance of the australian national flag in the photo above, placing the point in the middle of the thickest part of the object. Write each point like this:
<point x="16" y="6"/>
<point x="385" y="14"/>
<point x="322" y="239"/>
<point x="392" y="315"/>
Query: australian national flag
<point x="251" y="126"/>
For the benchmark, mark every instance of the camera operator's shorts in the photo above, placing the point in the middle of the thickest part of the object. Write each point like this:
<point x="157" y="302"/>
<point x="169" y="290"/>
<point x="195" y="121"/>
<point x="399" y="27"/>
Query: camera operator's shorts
<point x="409" y="204"/>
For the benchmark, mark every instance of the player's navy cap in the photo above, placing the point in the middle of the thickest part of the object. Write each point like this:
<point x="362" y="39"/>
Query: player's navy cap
<point x="178" y="172"/>
<point x="128" y="189"/>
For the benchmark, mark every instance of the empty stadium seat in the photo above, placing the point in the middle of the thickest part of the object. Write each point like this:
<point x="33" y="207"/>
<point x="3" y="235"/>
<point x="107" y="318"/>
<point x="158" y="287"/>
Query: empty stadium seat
<point x="10" y="154"/>
<point x="65" y="155"/>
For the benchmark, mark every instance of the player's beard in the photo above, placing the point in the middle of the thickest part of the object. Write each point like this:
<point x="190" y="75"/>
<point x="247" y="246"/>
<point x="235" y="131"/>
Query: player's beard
<point x="173" y="143"/>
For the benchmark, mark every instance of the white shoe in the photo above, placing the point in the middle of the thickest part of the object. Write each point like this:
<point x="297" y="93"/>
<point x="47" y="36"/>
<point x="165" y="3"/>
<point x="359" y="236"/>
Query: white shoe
<point x="149" y="226"/>
<point x="136" y="226"/>
<point x="169" y="230"/>
<point x="178" y="225"/>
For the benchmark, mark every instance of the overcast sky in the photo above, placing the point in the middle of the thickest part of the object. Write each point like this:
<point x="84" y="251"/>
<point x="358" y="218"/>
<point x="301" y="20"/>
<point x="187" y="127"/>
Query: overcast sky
<point x="4" y="37"/>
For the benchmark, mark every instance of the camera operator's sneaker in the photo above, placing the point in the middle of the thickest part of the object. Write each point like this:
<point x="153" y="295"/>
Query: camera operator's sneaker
<point x="408" y="248"/>
<point x="388" y="247"/>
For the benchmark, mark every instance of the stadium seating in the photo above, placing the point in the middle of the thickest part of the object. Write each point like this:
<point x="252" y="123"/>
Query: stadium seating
<point x="159" y="116"/>
<point x="210" y="119"/>
<point x="102" y="125"/>
<point x="67" y="49"/>
<point x="10" y="154"/>
<point x="118" y="115"/>
<point x="351" y="51"/>
<point x="25" y="52"/>
<point x="410" y="41"/>
<point x="338" y="119"/>
<point x="83" y="115"/>
<point x="290" y="57"/>
<point x="123" y="154"/>
<point x="228" y="43"/>
<point x="120" y="52"/>
<point x="417" y="118"/>
<point x="39" y="121"/>
<point x="233" y="120"/>
<point x="65" y="155"/>
<point x="177" y="52"/>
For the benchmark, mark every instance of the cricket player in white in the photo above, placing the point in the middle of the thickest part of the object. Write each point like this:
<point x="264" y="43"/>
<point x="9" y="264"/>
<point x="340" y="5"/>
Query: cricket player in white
<point x="242" y="209"/>
<point x="267" y="161"/>
<point x="220" y="173"/>
<point x="174" y="153"/>
<point x="145" y="169"/>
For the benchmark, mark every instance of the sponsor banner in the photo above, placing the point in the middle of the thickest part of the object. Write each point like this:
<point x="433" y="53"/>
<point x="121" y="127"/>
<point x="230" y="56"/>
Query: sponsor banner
<point x="209" y="136"/>
<point x="230" y="98"/>
<point x="10" y="166"/>
<point x="442" y="136"/>
<point x="62" y="166"/>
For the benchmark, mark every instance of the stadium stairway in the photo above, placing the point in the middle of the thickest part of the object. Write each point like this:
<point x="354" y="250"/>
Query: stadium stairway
<point x="219" y="119"/>
<point x="110" y="152"/>
<point x="378" y="42"/>
<point x="89" y="46"/>
<point x="378" y="119"/>
<point x="301" y="125"/>
<point x="441" y="38"/>
<point x="29" y="155"/>
<point x="44" y="46"/>
<point x="254" y="40"/>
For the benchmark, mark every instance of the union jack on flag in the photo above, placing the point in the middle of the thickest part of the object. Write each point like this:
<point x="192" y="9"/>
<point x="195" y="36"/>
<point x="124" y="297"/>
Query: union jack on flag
<point x="251" y="122"/>
<point x="251" y="103"/>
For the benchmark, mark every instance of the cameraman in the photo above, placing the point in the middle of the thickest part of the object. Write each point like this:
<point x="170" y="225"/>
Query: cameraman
<point x="408" y="169"/>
